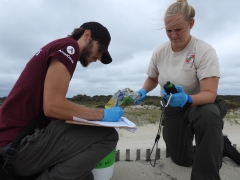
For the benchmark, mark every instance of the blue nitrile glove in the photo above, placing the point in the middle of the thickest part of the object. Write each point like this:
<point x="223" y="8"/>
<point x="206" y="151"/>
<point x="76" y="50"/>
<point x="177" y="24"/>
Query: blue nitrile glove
<point x="112" y="114"/>
<point x="142" y="93"/>
<point x="178" y="99"/>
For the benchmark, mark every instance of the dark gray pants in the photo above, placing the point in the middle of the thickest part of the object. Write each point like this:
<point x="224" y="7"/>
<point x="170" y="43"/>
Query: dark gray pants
<point x="64" y="151"/>
<point x="205" y="122"/>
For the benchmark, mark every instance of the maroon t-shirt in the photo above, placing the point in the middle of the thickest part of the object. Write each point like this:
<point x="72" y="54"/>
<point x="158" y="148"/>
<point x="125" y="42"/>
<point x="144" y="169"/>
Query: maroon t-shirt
<point x="25" y="101"/>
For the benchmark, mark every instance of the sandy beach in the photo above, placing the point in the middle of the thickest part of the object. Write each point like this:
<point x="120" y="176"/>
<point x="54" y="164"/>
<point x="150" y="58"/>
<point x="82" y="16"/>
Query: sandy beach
<point x="164" y="169"/>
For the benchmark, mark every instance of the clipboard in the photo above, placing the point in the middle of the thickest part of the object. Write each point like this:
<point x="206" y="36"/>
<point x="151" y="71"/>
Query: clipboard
<point x="122" y="123"/>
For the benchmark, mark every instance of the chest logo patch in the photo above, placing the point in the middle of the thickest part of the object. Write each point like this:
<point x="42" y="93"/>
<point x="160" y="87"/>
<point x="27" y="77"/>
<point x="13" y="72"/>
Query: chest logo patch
<point x="70" y="50"/>
<point x="190" y="58"/>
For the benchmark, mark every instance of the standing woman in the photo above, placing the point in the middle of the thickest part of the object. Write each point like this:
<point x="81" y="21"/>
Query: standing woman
<point x="195" y="109"/>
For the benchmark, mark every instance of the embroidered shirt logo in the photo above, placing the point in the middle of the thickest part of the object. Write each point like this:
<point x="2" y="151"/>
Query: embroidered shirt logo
<point x="190" y="58"/>
<point x="67" y="55"/>
<point x="70" y="50"/>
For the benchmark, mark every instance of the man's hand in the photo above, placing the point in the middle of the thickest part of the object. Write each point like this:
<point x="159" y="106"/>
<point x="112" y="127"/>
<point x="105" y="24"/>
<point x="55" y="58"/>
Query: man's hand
<point x="142" y="93"/>
<point x="178" y="99"/>
<point x="113" y="114"/>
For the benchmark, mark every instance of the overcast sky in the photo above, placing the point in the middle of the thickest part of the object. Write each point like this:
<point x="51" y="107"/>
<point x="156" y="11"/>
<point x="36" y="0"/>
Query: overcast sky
<point x="134" y="26"/>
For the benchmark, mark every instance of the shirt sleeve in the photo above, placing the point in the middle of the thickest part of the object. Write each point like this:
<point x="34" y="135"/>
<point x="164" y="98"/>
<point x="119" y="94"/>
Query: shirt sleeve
<point x="67" y="52"/>
<point x="208" y="65"/>
<point x="152" y="68"/>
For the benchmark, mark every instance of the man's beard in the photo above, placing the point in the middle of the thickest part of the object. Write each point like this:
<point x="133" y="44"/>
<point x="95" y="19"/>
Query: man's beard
<point x="86" y="52"/>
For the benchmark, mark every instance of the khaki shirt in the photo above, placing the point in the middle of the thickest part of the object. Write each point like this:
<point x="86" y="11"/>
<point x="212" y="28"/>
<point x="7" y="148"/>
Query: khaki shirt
<point x="198" y="60"/>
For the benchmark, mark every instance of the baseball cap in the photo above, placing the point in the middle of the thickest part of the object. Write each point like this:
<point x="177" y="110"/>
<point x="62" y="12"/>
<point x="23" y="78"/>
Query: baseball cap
<point x="102" y="35"/>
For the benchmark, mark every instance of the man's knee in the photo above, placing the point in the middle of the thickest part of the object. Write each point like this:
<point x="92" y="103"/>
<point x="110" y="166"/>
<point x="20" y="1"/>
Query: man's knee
<point x="114" y="136"/>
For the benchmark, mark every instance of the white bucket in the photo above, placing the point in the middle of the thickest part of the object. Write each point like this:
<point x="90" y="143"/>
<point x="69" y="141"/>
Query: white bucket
<point x="104" y="173"/>
<point x="105" y="168"/>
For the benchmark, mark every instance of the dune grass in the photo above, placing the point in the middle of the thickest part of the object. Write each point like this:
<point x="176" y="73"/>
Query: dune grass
<point x="147" y="115"/>
<point x="143" y="116"/>
<point x="152" y="116"/>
